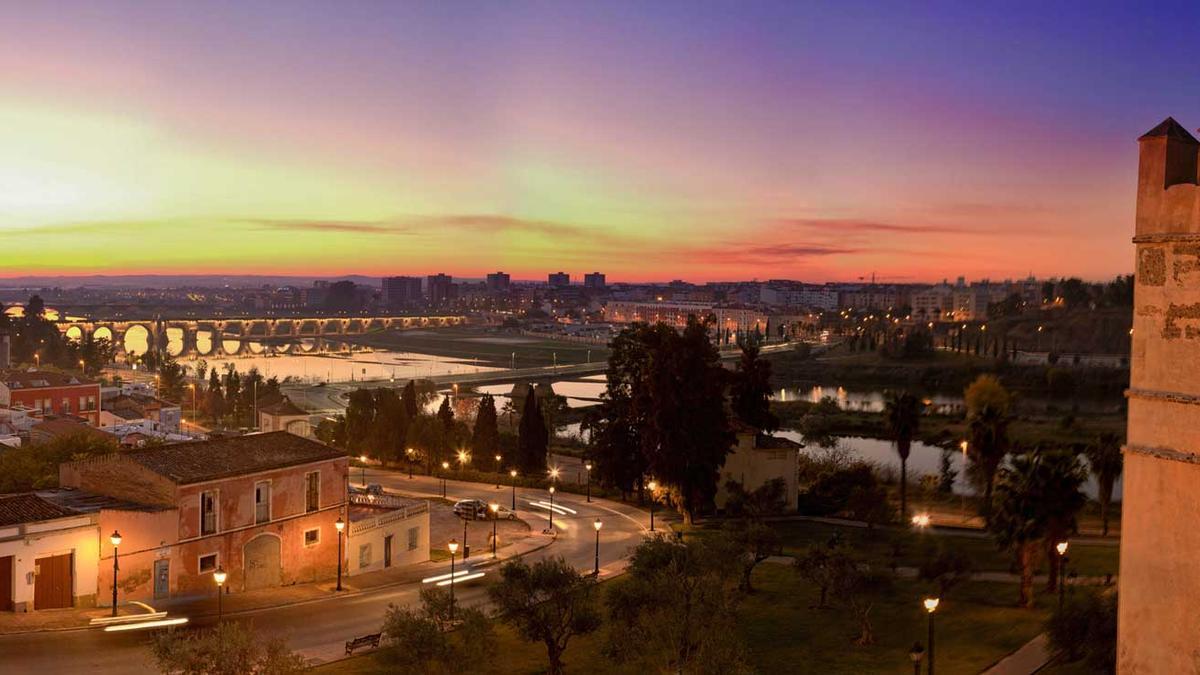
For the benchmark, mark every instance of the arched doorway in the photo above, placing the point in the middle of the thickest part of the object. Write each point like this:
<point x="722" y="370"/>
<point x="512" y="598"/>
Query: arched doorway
<point x="260" y="562"/>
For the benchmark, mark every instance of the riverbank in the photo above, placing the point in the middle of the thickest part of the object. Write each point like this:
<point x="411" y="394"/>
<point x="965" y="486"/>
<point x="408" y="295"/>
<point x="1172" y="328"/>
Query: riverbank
<point x="489" y="346"/>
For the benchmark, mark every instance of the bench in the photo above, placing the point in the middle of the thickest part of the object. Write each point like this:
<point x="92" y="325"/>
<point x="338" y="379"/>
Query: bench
<point x="365" y="640"/>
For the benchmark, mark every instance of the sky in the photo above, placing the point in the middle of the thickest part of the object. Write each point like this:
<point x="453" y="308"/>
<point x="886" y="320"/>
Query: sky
<point x="648" y="140"/>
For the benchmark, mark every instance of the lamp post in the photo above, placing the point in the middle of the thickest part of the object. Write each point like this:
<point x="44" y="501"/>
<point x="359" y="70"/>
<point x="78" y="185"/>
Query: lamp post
<point x="445" y="468"/>
<point x="115" y="538"/>
<point x="1061" y="547"/>
<point x="588" y="467"/>
<point x="453" y="546"/>
<point x="963" y="500"/>
<point x="653" y="485"/>
<point x="498" y="458"/>
<point x="466" y="547"/>
<point x="219" y="577"/>
<point x="597" y="525"/>
<point x="193" y="386"/>
<point x="513" y="474"/>
<point x="339" y="525"/>
<point x="495" y="509"/>
<point x="410" y="453"/>
<point x="551" y="508"/>
<point x="916" y="654"/>
<point x="362" y="459"/>
<point x="931" y="605"/>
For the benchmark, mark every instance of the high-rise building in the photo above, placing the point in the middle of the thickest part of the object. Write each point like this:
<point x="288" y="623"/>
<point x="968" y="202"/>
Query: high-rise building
<point x="401" y="292"/>
<point x="440" y="290"/>
<point x="498" y="281"/>
<point x="559" y="279"/>
<point x="594" y="281"/>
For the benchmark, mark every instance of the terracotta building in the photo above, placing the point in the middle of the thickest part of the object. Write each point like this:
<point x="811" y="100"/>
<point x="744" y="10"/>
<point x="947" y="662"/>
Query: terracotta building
<point x="261" y="506"/>
<point x="47" y="555"/>
<point x="1158" y="615"/>
<point x="51" y="393"/>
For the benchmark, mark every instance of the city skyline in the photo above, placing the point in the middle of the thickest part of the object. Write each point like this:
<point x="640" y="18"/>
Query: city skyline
<point x="765" y="141"/>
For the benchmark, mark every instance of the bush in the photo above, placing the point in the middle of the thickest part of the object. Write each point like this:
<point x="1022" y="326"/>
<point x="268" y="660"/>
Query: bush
<point x="854" y="490"/>
<point x="1086" y="628"/>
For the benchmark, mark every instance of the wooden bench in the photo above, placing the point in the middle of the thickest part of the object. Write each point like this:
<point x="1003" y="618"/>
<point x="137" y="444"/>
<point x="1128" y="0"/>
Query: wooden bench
<point x="365" y="640"/>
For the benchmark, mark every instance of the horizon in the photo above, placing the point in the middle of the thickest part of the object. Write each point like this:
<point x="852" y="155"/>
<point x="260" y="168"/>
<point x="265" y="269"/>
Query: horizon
<point x="762" y="141"/>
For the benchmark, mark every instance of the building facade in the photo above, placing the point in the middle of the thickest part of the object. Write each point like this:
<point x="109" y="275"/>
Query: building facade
<point x="48" y="555"/>
<point x="558" y="279"/>
<point x="401" y="292"/>
<point x="51" y="393"/>
<point x="261" y="506"/>
<point x="1159" y="588"/>
<point x="594" y="281"/>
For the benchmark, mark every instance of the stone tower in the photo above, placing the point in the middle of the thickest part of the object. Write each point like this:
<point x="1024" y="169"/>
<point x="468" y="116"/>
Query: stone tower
<point x="1159" y="615"/>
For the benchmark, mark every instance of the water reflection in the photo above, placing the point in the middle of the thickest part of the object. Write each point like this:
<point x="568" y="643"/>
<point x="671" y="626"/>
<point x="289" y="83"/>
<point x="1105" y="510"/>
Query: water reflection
<point x="341" y="366"/>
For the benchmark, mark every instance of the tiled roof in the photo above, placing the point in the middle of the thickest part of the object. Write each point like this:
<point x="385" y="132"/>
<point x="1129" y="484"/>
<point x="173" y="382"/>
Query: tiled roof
<point x="284" y="408"/>
<point x="34" y="379"/>
<point x="193" y="462"/>
<point x="29" y="508"/>
<point x="60" y="427"/>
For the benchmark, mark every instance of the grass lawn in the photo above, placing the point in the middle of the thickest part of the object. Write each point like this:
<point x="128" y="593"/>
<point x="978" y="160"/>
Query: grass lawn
<point x="493" y="348"/>
<point x="878" y="547"/>
<point x="976" y="625"/>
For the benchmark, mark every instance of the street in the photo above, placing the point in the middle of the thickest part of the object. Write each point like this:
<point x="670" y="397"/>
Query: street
<point x="318" y="629"/>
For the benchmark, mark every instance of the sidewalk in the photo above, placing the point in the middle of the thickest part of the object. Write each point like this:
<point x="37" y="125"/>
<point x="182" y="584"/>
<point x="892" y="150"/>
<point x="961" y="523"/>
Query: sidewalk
<point x="1027" y="660"/>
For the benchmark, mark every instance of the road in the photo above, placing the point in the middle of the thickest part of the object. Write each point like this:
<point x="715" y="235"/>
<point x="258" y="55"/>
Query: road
<point x="319" y="628"/>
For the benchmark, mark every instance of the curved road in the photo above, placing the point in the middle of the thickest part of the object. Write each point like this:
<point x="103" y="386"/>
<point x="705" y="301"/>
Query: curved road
<point x="319" y="628"/>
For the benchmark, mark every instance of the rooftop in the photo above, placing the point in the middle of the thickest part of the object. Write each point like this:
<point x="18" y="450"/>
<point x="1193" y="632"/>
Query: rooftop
<point x="28" y="507"/>
<point x="283" y="408"/>
<point x="81" y="501"/>
<point x="35" y="379"/>
<point x="198" y="461"/>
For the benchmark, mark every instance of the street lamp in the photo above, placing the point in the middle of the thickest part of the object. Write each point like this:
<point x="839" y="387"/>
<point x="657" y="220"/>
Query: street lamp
<point x="339" y="525"/>
<point x="219" y="577"/>
<point x="963" y="500"/>
<point x="410" y="453"/>
<point x="597" y="525"/>
<point x="921" y="520"/>
<point x="463" y="458"/>
<point x="551" y="508"/>
<point x="588" y="467"/>
<point x="498" y="458"/>
<point x="453" y="546"/>
<point x="362" y="459"/>
<point x="653" y="485"/>
<point x="1061" y="547"/>
<point x="495" y="509"/>
<point x="931" y="605"/>
<point x="916" y="654"/>
<point x="513" y="475"/>
<point x="115" y="538"/>
<point x="445" y="468"/>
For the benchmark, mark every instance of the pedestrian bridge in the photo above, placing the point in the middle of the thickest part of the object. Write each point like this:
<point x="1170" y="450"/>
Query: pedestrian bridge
<point x="227" y="337"/>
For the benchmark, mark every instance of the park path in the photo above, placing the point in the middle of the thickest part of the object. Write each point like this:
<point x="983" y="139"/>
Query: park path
<point x="1027" y="660"/>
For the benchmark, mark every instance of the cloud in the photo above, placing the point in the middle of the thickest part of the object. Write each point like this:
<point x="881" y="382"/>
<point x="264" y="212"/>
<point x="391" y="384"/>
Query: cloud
<point x="423" y="224"/>
<point x="853" y="225"/>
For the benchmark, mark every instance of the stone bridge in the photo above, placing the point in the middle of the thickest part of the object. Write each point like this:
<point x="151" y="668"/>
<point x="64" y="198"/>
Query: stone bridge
<point x="216" y="337"/>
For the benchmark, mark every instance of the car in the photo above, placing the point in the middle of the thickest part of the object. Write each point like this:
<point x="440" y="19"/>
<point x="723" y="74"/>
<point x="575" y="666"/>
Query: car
<point x="471" y="509"/>
<point x="375" y="489"/>
<point x="505" y="513"/>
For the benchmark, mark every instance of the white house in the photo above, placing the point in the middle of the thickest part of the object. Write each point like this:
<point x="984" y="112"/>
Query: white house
<point x="48" y="555"/>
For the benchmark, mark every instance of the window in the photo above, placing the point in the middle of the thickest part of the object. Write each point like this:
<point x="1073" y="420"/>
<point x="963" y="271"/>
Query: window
<point x="414" y="538"/>
<point x="66" y="405"/>
<point x="364" y="555"/>
<point x="208" y="563"/>
<point x="91" y="403"/>
<point x="208" y="512"/>
<point x="262" y="502"/>
<point x="83" y="403"/>
<point x="312" y="491"/>
<point x="312" y="537"/>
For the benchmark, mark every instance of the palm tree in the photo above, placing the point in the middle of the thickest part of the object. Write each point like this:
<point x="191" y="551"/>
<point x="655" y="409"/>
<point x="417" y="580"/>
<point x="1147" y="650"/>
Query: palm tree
<point x="1037" y="499"/>
<point x="1105" y="461"/>
<point x="903" y="415"/>
<point x="988" y="429"/>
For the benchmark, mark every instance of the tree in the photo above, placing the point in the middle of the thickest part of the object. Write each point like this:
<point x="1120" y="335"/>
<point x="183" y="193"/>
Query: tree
<point x="35" y="466"/>
<point x="822" y="565"/>
<point x="986" y="391"/>
<point x="446" y="414"/>
<point x="689" y="434"/>
<point x="676" y="609"/>
<point x="388" y="436"/>
<point x="360" y="418"/>
<point x="861" y="588"/>
<point x="750" y="390"/>
<point x="533" y="439"/>
<point x="485" y="437"/>
<point x="427" y="435"/>
<point x="1086" y="628"/>
<point x="548" y="602"/>
<point x="1036" y="498"/>
<point x="1106" y="463"/>
<point x="230" y="648"/>
<point x="437" y="637"/>
<point x="947" y="569"/>
<point x="988" y="430"/>
<point x="902" y="412"/>
<point x="409" y="398"/>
